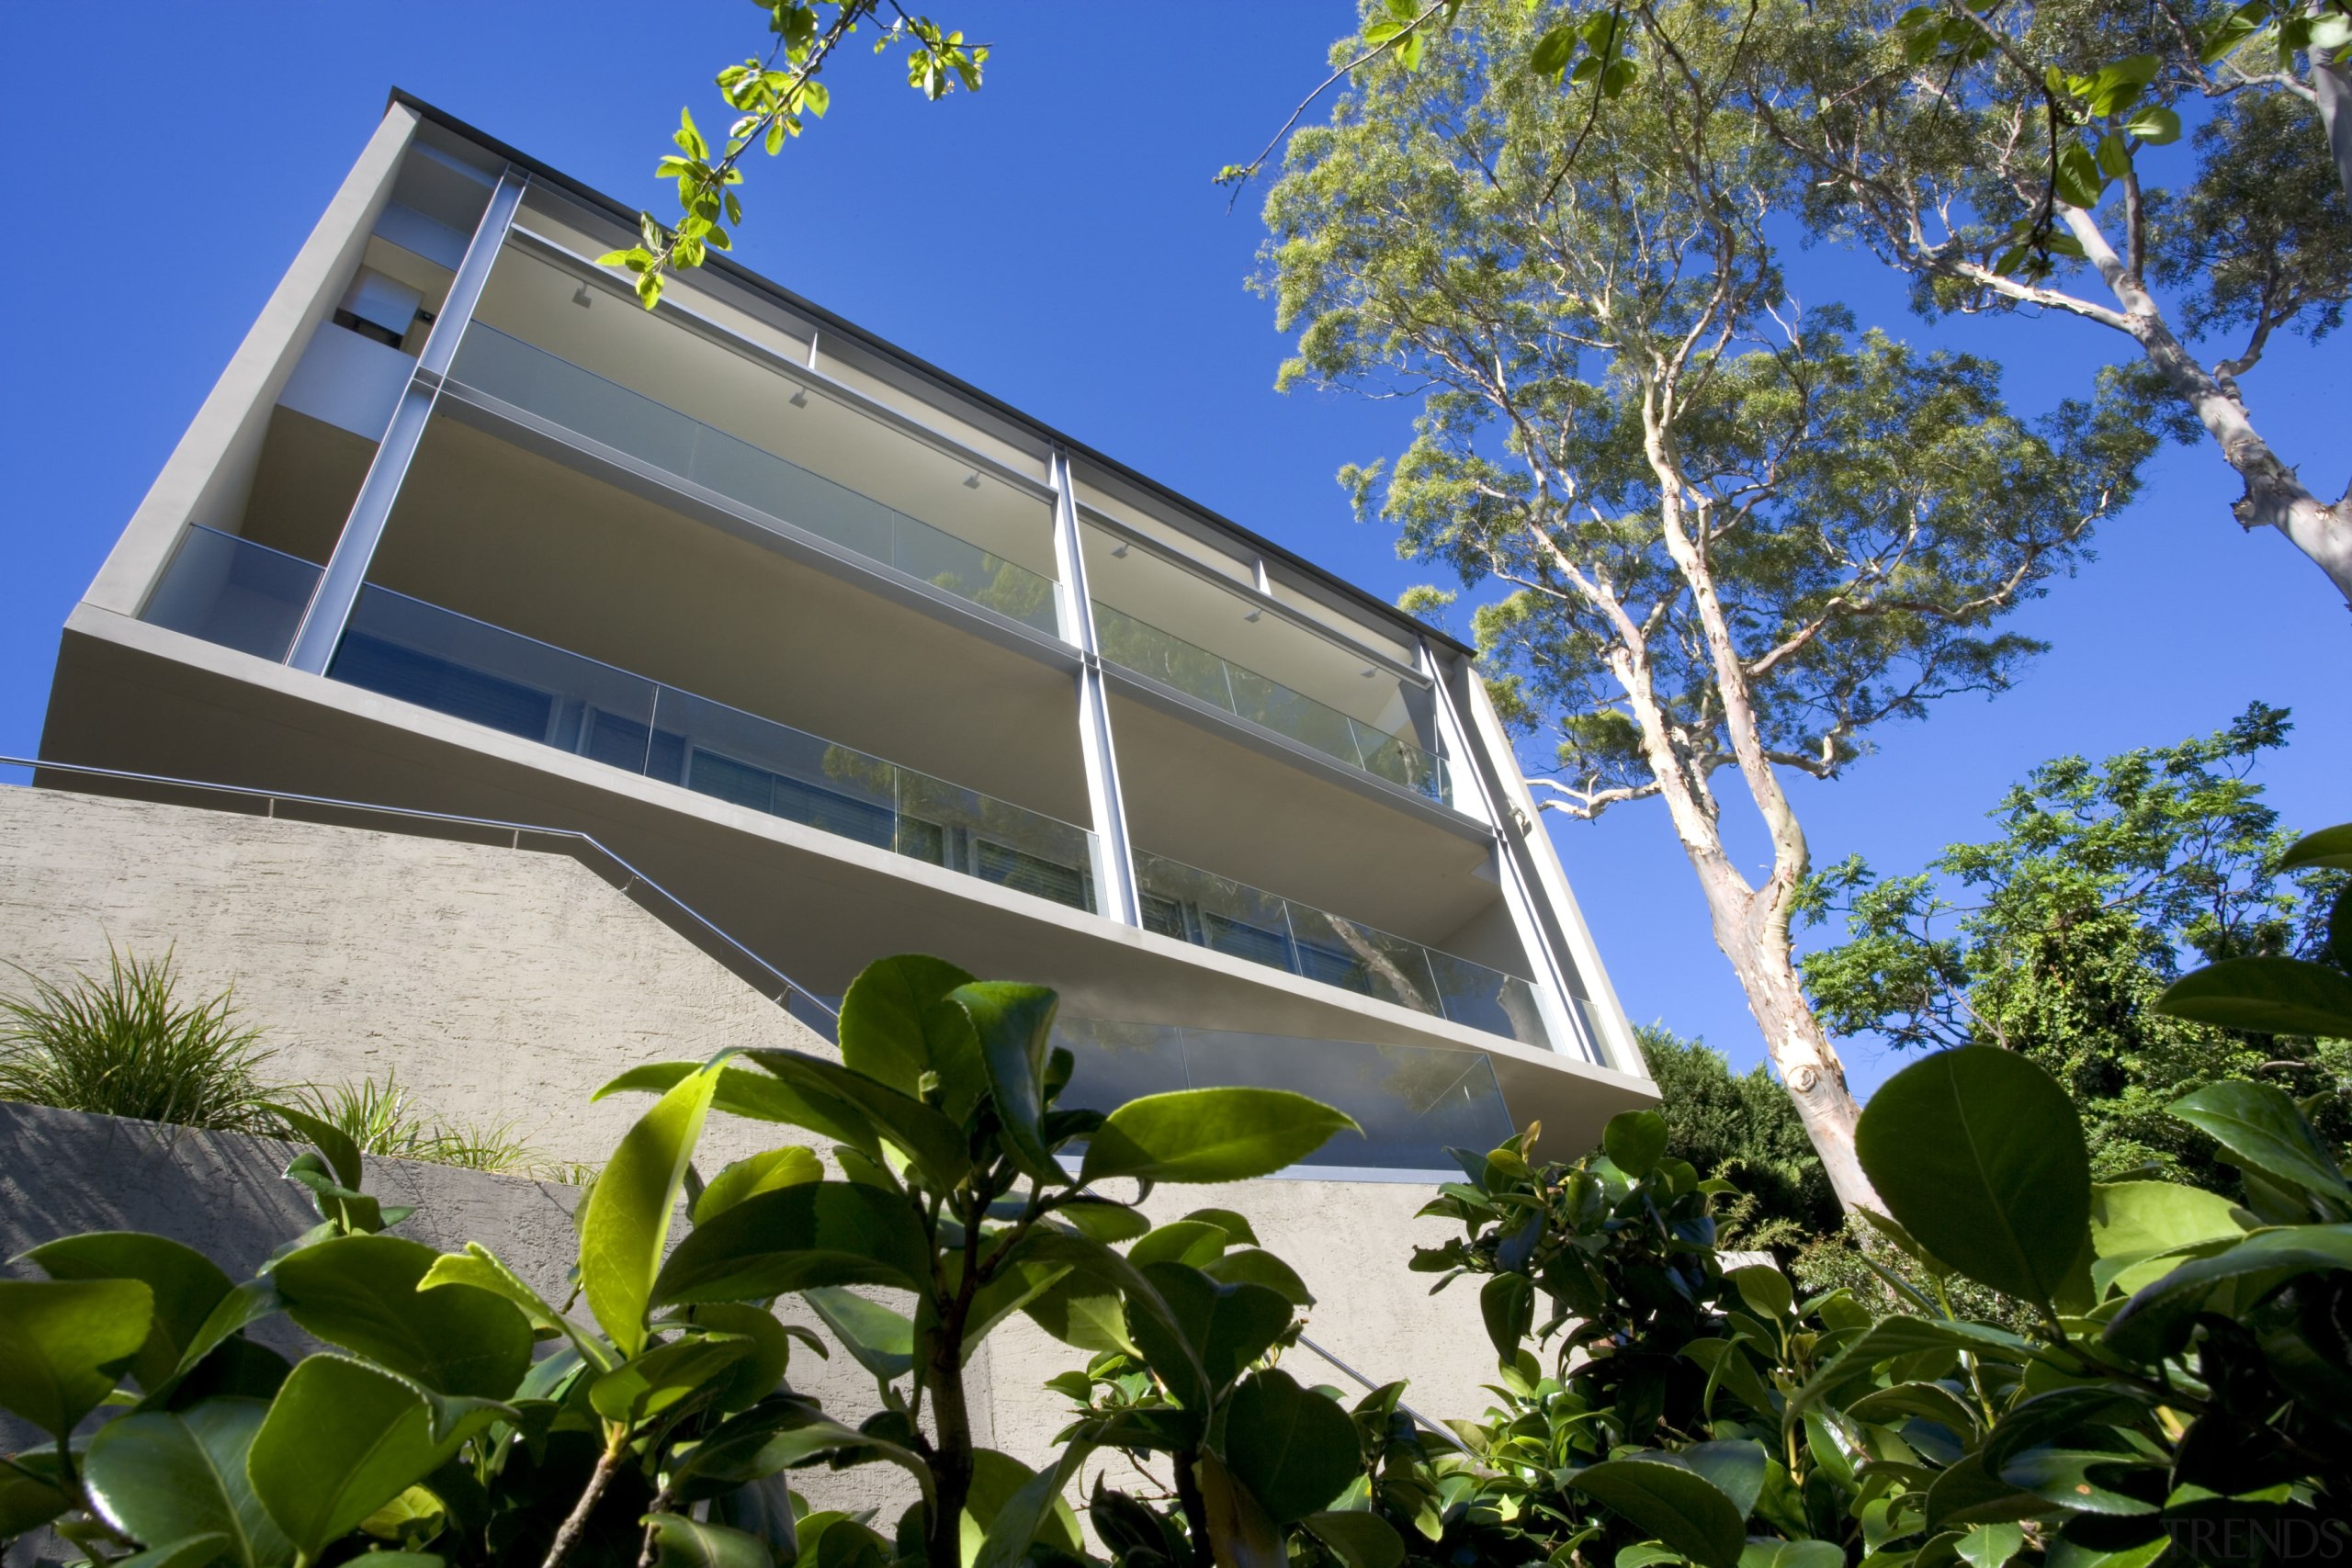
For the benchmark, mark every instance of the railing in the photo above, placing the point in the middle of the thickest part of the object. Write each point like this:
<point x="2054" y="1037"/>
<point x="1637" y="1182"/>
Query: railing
<point x="1231" y="917"/>
<point x="819" y="1012"/>
<point x="1194" y="671"/>
<point x="1414" y="1102"/>
<point x="606" y="411"/>
<point x="421" y="653"/>
<point x="232" y="591"/>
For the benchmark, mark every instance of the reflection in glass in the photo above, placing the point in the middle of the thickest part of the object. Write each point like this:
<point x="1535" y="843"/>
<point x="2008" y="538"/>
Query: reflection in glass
<point x="421" y="653"/>
<point x="232" y="591"/>
<point x="1218" y="912"/>
<point x="1194" y="671"/>
<point x="607" y="413"/>
<point x="1414" y="1102"/>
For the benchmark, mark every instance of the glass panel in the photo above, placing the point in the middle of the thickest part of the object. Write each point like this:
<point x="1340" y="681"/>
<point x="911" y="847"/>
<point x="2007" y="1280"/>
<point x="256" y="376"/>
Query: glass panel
<point x="420" y="653"/>
<point x="582" y="401"/>
<point x="1194" y="671"/>
<point x="1218" y="912"/>
<point x="232" y="591"/>
<point x="1413" y="1101"/>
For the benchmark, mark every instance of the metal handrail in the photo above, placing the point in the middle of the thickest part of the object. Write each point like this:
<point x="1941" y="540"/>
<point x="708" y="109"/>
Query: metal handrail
<point x="1373" y="1386"/>
<point x="636" y="879"/>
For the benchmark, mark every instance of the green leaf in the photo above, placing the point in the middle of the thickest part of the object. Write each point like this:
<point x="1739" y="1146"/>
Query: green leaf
<point x="29" y="1497"/>
<point x="1735" y="1467"/>
<point x="758" y="1097"/>
<point x="244" y="1306"/>
<point x="1014" y="1024"/>
<point x="682" y="1542"/>
<point x="343" y="1439"/>
<point x="1979" y="1155"/>
<point x="1196" y="1242"/>
<point x="1506" y="1301"/>
<point x="1295" y="1449"/>
<point x="1990" y="1546"/>
<point x="186" y="1285"/>
<point x="2157" y="1322"/>
<point x="666" y="1375"/>
<point x="933" y="1140"/>
<point x="739" y="1180"/>
<point x="161" y="1476"/>
<point x="1102" y="1218"/>
<point x="363" y="1292"/>
<point x="1893" y="1337"/>
<point x="1765" y="1288"/>
<point x="783" y="1434"/>
<point x="342" y="1153"/>
<point x="1224" y="1327"/>
<point x="2158" y="127"/>
<point x="1667" y="1498"/>
<point x="64" y="1343"/>
<point x="1034" y="1510"/>
<point x="1083" y="1308"/>
<point x="2134" y="1222"/>
<point x="482" y="1269"/>
<point x="1359" y="1540"/>
<point x="1236" y="1228"/>
<point x="881" y="1341"/>
<point x="2259" y="1126"/>
<point x="1096" y="1262"/>
<point x="190" y="1552"/>
<point x="628" y="1219"/>
<point x="1549" y="55"/>
<point x="2264" y="995"/>
<point x="1634" y="1140"/>
<point x="897" y="1024"/>
<point x="1255" y="1266"/>
<point x="1808" y="1554"/>
<point x="1210" y="1134"/>
<point x="821" y="1233"/>
<point x="2328" y="847"/>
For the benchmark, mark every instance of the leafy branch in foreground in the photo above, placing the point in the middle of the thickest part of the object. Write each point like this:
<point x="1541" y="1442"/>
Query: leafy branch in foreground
<point x="773" y="97"/>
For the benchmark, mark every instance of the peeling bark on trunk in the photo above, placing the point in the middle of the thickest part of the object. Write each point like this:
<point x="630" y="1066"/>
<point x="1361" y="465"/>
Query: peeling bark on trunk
<point x="2332" y="93"/>
<point x="2275" y="495"/>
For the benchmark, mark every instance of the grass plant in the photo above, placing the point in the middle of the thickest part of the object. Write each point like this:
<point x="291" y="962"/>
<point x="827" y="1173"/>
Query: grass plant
<point x="122" y="1043"/>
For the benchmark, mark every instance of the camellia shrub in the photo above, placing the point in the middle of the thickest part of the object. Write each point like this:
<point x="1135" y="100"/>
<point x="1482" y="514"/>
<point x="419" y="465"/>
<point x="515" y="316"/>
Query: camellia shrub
<point x="661" y="1426"/>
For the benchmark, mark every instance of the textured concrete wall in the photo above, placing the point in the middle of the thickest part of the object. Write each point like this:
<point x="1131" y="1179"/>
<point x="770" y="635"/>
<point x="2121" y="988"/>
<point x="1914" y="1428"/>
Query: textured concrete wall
<point x="504" y="986"/>
<point x="499" y="985"/>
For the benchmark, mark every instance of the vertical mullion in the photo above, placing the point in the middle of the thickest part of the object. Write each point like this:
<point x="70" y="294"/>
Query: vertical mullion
<point x="1115" y="870"/>
<point x="346" y="569"/>
<point x="1552" y="986"/>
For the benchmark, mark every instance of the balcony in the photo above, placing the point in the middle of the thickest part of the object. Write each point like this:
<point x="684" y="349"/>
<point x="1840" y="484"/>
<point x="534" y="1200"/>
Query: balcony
<point x="1414" y="1102"/>
<point x="232" y="591"/>
<point x="610" y="414"/>
<point x="1227" y="915"/>
<point x="1188" y="668"/>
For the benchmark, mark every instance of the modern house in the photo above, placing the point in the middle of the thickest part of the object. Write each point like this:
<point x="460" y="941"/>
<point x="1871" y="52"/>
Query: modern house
<point x="849" y="657"/>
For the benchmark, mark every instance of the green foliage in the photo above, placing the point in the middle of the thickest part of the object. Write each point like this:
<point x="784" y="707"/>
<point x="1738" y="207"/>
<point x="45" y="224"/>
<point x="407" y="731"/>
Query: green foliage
<point x="2059" y="939"/>
<point x="665" y="1429"/>
<point x="2175" y="1388"/>
<point x="123" y="1044"/>
<point x="1745" y="1129"/>
<point x="773" y="99"/>
<point x="381" y="1119"/>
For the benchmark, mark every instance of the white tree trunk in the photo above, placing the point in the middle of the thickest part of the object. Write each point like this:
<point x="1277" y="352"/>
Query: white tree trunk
<point x="2332" y="92"/>
<point x="2275" y="495"/>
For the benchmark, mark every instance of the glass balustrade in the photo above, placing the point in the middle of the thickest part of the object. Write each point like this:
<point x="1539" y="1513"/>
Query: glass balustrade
<point x="1231" y="917"/>
<point x="607" y="413"/>
<point x="1194" y="671"/>
<point x="1414" y="1102"/>
<point x="421" y="653"/>
<point x="232" y="591"/>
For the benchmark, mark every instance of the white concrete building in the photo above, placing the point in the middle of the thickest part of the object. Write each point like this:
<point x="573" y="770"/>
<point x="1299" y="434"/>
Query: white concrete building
<point x="847" y="655"/>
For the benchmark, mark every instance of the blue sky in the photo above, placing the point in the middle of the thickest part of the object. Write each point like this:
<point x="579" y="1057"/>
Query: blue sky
<point x="1057" y="240"/>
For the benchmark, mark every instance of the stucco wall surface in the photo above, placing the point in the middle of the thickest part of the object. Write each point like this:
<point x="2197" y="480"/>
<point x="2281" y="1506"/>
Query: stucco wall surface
<point x="499" y="985"/>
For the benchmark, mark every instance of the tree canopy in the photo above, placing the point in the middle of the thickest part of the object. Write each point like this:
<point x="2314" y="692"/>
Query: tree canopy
<point x="1709" y="531"/>
<point x="2055" y="941"/>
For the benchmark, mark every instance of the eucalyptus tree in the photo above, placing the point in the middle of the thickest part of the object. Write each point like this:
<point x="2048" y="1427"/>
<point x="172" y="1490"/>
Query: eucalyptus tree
<point x="2012" y="159"/>
<point x="771" y="96"/>
<point x="1726" y="535"/>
